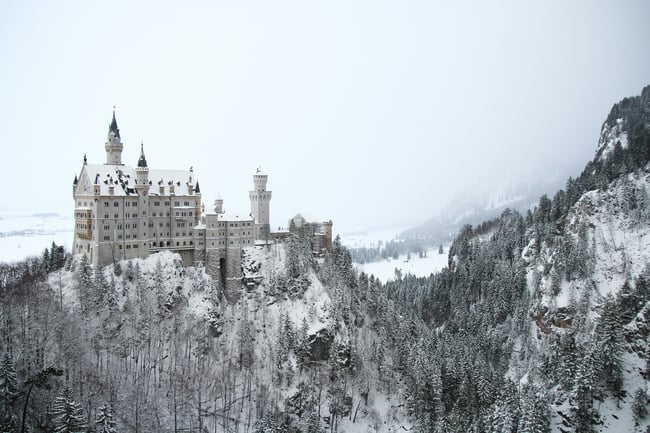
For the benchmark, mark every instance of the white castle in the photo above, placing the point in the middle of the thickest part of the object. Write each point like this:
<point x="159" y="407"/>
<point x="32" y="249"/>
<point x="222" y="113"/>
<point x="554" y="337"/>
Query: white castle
<point x="123" y="212"/>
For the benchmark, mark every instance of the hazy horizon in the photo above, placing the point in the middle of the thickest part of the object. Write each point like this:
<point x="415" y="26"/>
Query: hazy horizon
<point x="367" y="113"/>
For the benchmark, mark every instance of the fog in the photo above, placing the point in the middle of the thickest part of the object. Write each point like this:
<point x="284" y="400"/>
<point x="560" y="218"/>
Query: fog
<point x="369" y="113"/>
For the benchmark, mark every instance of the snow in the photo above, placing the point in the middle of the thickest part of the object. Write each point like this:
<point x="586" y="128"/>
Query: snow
<point x="420" y="267"/>
<point x="369" y="237"/>
<point x="608" y="138"/>
<point x="25" y="233"/>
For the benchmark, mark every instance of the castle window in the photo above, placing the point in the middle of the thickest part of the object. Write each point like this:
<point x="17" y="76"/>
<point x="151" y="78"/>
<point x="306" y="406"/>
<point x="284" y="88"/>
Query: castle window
<point x="190" y="213"/>
<point x="105" y="216"/>
<point x="116" y="204"/>
<point x="177" y="203"/>
<point x="127" y="204"/>
<point x="153" y="244"/>
<point x="184" y="243"/>
<point x="105" y="204"/>
<point x="119" y="236"/>
<point x="116" y="216"/>
<point x="120" y="246"/>
<point x="186" y="203"/>
<point x="107" y="238"/>
<point x="166" y="203"/>
<point x="134" y="204"/>
<point x="135" y="246"/>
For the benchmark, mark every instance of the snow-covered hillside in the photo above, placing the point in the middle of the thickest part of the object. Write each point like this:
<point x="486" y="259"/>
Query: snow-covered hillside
<point x="612" y="227"/>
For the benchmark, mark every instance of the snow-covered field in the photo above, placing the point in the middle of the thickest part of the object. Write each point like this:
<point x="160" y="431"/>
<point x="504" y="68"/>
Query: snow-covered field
<point x="385" y="269"/>
<point x="25" y="233"/>
<point x="420" y="267"/>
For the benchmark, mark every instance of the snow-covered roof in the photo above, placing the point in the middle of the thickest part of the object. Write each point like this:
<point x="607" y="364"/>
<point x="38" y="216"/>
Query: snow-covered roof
<point x="233" y="217"/>
<point x="123" y="180"/>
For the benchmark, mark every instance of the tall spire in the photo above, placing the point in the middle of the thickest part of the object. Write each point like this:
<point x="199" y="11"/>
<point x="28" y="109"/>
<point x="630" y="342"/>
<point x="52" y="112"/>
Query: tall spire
<point x="113" y="126"/>
<point x="114" y="144"/>
<point x="142" y="162"/>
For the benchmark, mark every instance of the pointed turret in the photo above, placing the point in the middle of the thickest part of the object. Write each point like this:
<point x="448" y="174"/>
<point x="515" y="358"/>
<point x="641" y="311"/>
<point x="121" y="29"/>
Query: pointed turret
<point x="113" y="143"/>
<point x="197" y="190"/>
<point x="75" y="181"/>
<point x="113" y="126"/>
<point x="142" y="162"/>
<point x="142" y="171"/>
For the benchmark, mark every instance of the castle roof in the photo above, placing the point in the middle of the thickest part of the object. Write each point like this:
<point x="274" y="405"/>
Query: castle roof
<point x="232" y="217"/>
<point x="113" y="126"/>
<point x="142" y="161"/>
<point x="123" y="180"/>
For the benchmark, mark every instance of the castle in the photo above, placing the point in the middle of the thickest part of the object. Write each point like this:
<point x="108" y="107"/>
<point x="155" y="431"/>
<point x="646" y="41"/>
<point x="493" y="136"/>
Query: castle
<point x="123" y="212"/>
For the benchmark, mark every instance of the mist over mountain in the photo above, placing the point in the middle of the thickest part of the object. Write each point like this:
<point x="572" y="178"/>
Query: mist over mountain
<point x="488" y="199"/>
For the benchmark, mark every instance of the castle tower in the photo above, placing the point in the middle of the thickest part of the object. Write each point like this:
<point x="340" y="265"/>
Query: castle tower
<point x="142" y="171"/>
<point x="260" y="199"/>
<point x="142" y="188"/>
<point x="113" y="144"/>
<point x="218" y="205"/>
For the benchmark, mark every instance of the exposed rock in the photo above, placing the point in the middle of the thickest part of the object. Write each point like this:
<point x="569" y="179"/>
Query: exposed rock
<point x="319" y="345"/>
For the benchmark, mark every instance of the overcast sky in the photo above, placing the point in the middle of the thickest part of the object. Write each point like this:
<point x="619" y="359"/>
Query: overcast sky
<point x="366" y="112"/>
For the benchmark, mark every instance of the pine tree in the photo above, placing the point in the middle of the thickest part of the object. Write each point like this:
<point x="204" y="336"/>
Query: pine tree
<point x="8" y="394"/>
<point x="313" y="423"/>
<point x="583" y="414"/>
<point x="609" y="338"/>
<point x="67" y="413"/>
<point x="84" y="283"/>
<point x="104" y="420"/>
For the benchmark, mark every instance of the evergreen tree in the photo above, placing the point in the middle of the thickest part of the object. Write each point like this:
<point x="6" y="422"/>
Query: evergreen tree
<point x="104" y="420"/>
<point x="67" y="413"/>
<point x="609" y="344"/>
<point x="84" y="283"/>
<point x="583" y="415"/>
<point x="8" y="394"/>
<point x="313" y="423"/>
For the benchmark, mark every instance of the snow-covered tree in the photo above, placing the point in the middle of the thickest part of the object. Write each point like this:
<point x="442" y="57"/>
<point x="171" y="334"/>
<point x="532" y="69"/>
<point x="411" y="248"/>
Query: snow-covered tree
<point x="67" y="414"/>
<point x="104" y="420"/>
<point x="8" y="394"/>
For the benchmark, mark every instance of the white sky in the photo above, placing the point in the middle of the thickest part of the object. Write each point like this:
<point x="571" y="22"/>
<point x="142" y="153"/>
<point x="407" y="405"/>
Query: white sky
<point x="367" y="112"/>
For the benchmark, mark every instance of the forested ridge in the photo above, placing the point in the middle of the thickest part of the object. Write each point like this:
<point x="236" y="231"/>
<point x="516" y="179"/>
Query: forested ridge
<point x="540" y="323"/>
